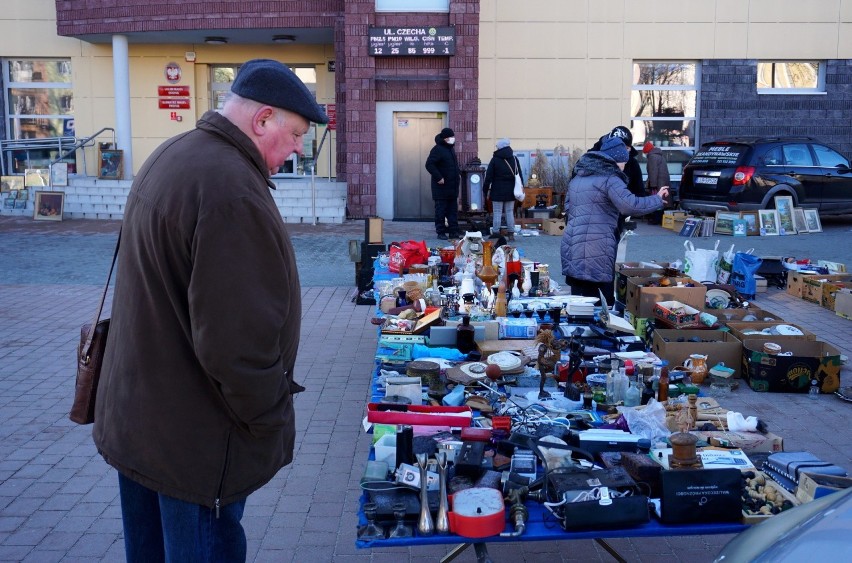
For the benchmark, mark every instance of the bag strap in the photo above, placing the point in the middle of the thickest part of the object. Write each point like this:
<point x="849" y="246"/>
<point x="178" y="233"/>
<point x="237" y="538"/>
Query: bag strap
<point x="510" y="167"/>
<point x="87" y="346"/>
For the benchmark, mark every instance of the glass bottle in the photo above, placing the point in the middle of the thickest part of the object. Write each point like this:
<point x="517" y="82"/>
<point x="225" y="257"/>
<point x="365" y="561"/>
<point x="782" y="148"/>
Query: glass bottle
<point x="622" y="384"/>
<point x="587" y="397"/>
<point x="501" y="303"/>
<point x="663" y="390"/>
<point x="634" y="395"/>
<point x="465" y="336"/>
<point x="813" y="392"/>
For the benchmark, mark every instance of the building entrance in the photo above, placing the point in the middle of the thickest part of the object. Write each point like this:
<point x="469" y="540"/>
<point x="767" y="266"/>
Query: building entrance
<point x="413" y="138"/>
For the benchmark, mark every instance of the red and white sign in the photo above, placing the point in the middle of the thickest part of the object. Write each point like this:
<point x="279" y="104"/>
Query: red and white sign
<point x="174" y="103"/>
<point x="173" y="90"/>
<point x="173" y="73"/>
<point x="331" y="112"/>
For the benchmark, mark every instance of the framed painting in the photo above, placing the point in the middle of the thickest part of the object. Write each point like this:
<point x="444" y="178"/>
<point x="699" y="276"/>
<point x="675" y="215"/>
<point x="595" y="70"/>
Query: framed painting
<point x="768" y="222"/>
<point x="725" y="222"/>
<point x="48" y="206"/>
<point x="59" y="174"/>
<point x="11" y="183"/>
<point x="37" y="177"/>
<point x="799" y="220"/>
<point x="740" y="228"/>
<point x="784" y="206"/>
<point x="110" y="164"/>
<point x="812" y="221"/>
<point x="752" y="223"/>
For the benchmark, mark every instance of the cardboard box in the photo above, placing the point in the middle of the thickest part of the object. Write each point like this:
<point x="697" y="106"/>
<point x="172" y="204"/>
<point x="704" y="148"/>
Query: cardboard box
<point x="553" y="227"/>
<point x="489" y="347"/>
<point x="676" y="314"/>
<point x="746" y="441"/>
<point x="810" y="359"/>
<point x="640" y="300"/>
<point x="431" y="316"/>
<point x="843" y="303"/>
<point x="626" y="270"/>
<point x="795" y="281"/>
<point x="813" y="486"/>
<point x="829" y="293"/>
<point x="736" y="315"/>
<point x="523" y="328"/>
<point x="717" y="345"/>
<point x="812" y="286"/>
<point x="742" y="330"/>
<point x="670" y="216"/>
<point x="752" y="519"/>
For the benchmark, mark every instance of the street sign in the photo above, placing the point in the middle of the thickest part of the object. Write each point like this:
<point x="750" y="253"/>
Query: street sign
<point x="412" y="41"/>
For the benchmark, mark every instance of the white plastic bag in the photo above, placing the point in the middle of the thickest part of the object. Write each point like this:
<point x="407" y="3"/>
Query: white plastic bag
<point x="649" y="422"/>
<point x="726" y="264"/>
<point x="701" y="264"/>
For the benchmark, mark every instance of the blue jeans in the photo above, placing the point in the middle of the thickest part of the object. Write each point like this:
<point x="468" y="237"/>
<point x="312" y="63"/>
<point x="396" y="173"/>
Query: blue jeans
<point x="498" y="209"/>
<point x="158" y="528"/>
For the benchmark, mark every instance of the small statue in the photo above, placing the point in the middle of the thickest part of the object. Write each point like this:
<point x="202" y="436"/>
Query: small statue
<point x="549" y="351"/>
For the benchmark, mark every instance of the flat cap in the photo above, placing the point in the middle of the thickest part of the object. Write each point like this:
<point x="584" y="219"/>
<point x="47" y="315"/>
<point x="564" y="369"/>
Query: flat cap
<point x="272" y="83"/>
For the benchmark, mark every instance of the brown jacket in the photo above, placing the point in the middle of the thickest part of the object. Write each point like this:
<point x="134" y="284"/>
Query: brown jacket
<point x="658" y="170"/>
<point x="195" y="399"/>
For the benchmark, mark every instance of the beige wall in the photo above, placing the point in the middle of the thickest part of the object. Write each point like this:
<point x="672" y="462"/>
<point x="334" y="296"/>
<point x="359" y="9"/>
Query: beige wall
<point x="559" y="71"/>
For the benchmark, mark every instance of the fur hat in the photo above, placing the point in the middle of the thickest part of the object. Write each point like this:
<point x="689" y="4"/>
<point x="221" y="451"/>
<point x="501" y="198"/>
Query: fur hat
<point x="503" y="143"/>
<point x="615" y="149"/>
<point x="272" y="83"/>
<point x="446" y="133"/>
<point x="623" y="133"/>
<point x="647" y="147"/>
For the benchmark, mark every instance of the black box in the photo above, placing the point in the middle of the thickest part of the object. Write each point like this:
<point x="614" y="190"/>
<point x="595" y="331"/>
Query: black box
<point x="369" y="252"/>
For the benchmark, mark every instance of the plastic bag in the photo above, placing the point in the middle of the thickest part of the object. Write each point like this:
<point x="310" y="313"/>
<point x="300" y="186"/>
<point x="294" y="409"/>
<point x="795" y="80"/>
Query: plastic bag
<point x="405" y="254"/>
<point x="726" y="265"/>
<point x="649" y="422"/>
<point x="701" y="264"/>
<point x="742" y="276"/>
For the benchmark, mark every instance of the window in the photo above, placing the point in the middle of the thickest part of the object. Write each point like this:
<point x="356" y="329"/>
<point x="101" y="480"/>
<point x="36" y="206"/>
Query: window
<point x="829" y="157"/>
<point x="792" y="77"/>
<point x="413" y="6"/>
<point x="40" y="98"/>
<point x="663" y="105"/>
<point x="797" y="155"/>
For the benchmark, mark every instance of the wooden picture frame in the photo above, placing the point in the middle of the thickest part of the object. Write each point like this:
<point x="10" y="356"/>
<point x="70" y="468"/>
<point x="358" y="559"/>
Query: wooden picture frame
<point x="37" y="177"/>
<point x="48" y="206"/>
<point x="725" y="222"/>
<point x="769" y="222"/>
<point x="740" y="228"/>
<point x="799" y="221"/>
<point x="59" y="175"/>
<point x="784" y="206"/>
<point x="752" y="222"/>
<point x="110" y="164"/>
<point x="812" y="221"/>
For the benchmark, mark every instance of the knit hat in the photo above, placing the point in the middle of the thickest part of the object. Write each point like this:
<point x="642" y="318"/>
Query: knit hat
<point x="647" y="147"/>
<point x="623" y="133"/>
<point x="615" y="149"/>
<point x="446" y="133"/>
<point x="272" y="83"/>
<point x="503" y="143"/>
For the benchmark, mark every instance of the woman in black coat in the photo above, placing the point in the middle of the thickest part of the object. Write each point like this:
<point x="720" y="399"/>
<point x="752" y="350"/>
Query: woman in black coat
<point x="443" y="167"/>
<point x="499" y="185"/>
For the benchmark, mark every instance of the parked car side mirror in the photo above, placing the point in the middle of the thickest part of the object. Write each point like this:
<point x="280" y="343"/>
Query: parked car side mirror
<point x="843" y="169"/>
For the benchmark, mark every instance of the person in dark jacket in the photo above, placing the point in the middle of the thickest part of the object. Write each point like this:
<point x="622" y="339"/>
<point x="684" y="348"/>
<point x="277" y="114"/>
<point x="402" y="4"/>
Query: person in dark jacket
<point x="658" y="175"/>
<point x="443" y="166"/>
<point x="195" y="402"/>
<point x="499" y="185"/>
<point x="596" y="196"/>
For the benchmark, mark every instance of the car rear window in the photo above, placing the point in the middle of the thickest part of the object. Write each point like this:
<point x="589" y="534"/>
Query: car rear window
<point x="719" y="155"/>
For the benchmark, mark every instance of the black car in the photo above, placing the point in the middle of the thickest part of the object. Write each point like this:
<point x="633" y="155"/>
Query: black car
<point x="746" y="173"/>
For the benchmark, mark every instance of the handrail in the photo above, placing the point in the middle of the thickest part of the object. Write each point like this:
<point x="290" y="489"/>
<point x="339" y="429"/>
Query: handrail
<point x="9" y="145"/>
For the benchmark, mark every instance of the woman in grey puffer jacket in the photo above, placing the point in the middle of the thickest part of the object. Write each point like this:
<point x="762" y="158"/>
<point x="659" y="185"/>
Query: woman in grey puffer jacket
<point x="596" y="196"/>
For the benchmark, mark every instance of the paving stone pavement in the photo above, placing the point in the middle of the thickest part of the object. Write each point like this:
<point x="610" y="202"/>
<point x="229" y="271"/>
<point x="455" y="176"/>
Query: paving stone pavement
<point x="59" y="500"/>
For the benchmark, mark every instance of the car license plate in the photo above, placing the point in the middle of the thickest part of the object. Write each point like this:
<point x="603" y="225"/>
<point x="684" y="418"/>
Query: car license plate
<point x="706" y="180"/>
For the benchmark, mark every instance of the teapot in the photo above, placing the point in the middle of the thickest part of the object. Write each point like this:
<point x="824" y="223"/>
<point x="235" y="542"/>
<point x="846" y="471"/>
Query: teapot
<point x="697" y="364"/>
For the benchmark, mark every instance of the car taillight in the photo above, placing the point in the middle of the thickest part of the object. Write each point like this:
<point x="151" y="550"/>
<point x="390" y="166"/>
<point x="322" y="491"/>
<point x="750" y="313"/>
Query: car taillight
<point x="743" y="174"/>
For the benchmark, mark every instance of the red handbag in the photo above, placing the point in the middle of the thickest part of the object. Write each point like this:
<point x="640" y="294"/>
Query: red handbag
<point x="404" y="254"/>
